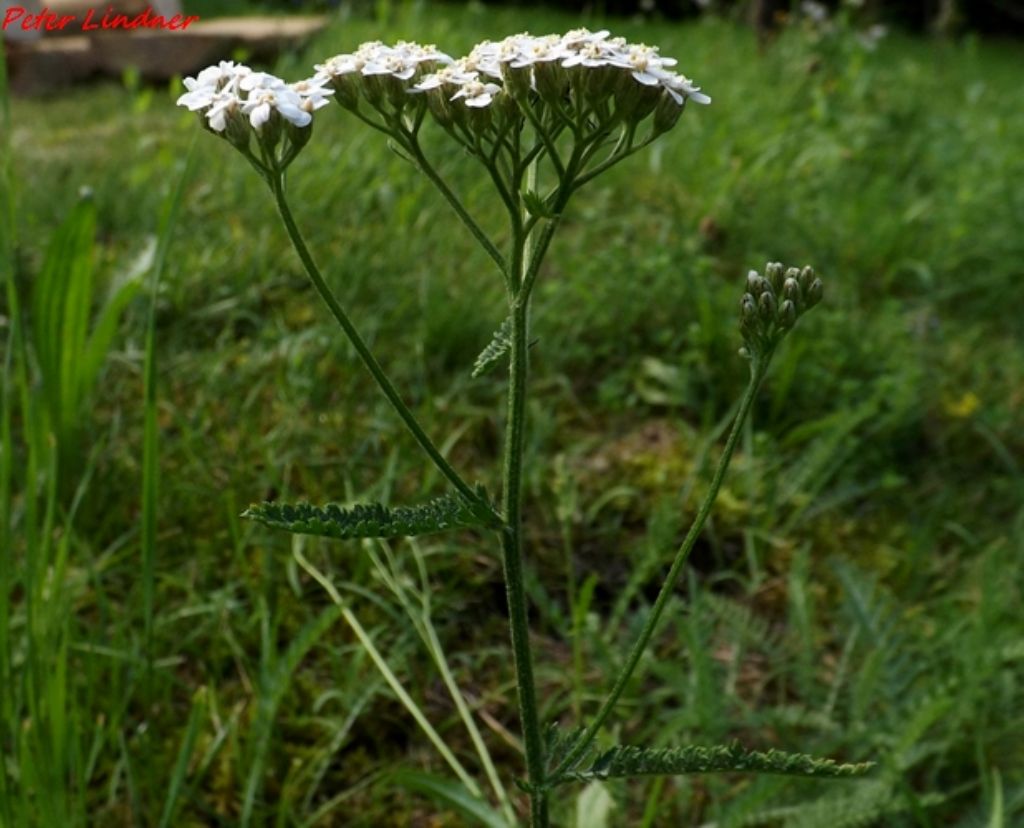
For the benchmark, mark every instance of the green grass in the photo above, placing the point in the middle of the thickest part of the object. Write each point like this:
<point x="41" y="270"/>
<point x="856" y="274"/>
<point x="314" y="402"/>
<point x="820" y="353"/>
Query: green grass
<point x="857" y="594"/>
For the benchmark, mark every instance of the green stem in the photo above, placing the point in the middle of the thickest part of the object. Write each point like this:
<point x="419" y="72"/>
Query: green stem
<point x="365" y="354"/>
<point x="511" y="542"/>
<point x="758" y="369"/>
<point x="412" y="145"/>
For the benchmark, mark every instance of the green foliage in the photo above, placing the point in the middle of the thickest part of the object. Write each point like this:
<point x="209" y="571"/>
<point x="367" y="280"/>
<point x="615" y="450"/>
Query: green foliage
<point x="373" y="520"/>
<point x="625" y="761"/>
<point x="450" y="796"/>
<point x="70" y="345"/>
<point x="888" y="437"/>
<point x="496" y="348"/>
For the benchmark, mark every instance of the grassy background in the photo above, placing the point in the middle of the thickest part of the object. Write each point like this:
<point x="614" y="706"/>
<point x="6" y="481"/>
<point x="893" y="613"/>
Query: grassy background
<point x="857" y="594"/>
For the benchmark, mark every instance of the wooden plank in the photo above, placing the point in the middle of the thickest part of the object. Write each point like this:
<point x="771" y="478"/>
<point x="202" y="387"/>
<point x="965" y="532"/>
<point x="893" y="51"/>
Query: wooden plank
<point x="159" y="55"/>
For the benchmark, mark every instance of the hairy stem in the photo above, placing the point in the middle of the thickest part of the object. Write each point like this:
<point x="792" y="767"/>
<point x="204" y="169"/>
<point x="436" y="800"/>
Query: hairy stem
<point x="364" y="352"/>
<point x="511" y="542"/>
<point x="758" y="369"/>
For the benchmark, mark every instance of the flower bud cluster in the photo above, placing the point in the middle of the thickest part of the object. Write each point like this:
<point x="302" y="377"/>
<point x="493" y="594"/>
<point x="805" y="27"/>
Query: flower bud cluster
<point x="773" y="303"/>
<point x="236" y="103"/>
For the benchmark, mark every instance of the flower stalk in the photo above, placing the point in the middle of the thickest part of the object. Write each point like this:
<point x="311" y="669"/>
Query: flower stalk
<point x="566" y="106"/>
<point x="367" y="357"/>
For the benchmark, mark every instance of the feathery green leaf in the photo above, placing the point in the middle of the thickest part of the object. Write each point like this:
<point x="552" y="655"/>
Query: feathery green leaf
<point x="623" y="761"/>
<point x="372" y="520"/>
<point x="496" y="348"/>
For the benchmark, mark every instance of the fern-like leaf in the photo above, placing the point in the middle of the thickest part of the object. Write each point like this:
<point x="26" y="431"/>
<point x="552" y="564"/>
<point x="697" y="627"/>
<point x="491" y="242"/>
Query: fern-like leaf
<point x="452" y="511"/>
<point x="558" y="743"/>
<point x="496" y="348"/>
<point x="623" y="761"/>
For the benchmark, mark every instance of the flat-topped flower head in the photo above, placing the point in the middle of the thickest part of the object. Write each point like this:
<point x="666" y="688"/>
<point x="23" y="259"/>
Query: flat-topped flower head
<point x="238" y="104"/>
<point x="380" y="74"/>
<point x="270" y="96"/>
<point x="534" y="71"/>
<point x="220" y="84"/>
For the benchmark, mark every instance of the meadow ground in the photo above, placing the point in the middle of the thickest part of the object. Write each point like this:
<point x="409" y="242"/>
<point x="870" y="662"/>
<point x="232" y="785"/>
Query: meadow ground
<point x="857" y="593"/>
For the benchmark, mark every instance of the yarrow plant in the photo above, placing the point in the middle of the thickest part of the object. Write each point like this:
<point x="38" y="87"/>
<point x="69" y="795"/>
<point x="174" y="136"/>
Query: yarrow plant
<point x="543" y="116"/>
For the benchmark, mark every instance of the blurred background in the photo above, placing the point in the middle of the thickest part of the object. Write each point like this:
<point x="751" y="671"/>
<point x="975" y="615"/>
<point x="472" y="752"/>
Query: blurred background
<point x="857" y="593"/>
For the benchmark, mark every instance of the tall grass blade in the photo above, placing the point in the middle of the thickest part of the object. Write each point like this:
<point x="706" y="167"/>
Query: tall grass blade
<point x="450" y="795"/>
<point x="150" y="444"/>
<point x="175" y="787"/>
<point x="6" y="437"/>
<point x="271" y="692"/>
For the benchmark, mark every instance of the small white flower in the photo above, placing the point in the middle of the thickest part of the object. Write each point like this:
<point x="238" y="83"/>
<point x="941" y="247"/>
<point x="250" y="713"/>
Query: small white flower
<point x="476" y="94"/>
<point x="260" y="81"/>
<point x="339" y="65"/>
<point x="312" y="93"/>
<point x="539" y="50"/>
<point x="577" y="38"/>
<point x="483" y="58"/>
<point x="453" y="75"/>
<point x="222" y="106"/>
<point x="681" y="88"/>
<point x="263" y="102"/>
<point x="593" y="54"/>
<point x="644" y="63"/>
<point x="203" y="89"/>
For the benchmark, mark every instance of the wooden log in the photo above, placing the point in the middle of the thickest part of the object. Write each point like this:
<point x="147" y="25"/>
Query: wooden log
<point x="157" y="54"/>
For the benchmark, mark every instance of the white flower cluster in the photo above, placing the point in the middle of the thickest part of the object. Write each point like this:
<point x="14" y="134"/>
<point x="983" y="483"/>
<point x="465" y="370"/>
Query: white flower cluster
<point x="377" y="70"/>
<point x="400" y="61"/>
<point x="228" y="89"/>
<point x="479" y="78"/>
<point x="588" y="81"/>
<point x="577" y="48"/>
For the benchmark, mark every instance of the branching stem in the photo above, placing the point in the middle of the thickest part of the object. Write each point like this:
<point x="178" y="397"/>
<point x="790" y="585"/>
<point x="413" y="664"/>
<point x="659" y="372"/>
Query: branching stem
<point x="758" y="369"/>
<point x="367" y="357"/>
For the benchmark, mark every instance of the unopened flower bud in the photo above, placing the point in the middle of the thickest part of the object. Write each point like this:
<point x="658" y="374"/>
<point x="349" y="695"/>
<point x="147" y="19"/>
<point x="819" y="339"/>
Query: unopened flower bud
<point x="269" y="134"/>
<point x="297" y="136"/>
<point x="346" y="90"/>
<point x="666" y="114"/>
<point x="753" y="278"/>
<point x="791" y="290"/>
<point x="806" y="277"/>
<point x="787" y="315"/>
<point x="766" y="306"/>
<point x="774" y="272"/>
<point x="748" y="306"/>
<point x="440" y="107"/>
<point x="814" y="293"/>
<point x="516" y="80"/>
<point x="792" y="273"/>
<point x="598" y="83"/>
<point x="506" y="109"/>
<point x="551" y="81"/>
<point x="236" y="129"/>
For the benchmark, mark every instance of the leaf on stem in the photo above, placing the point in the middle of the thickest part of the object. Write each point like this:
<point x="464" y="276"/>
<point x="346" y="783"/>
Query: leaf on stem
<point x="371" y="520"/>
<point x="623" y="761"/>
<point x="499" y="345"/>
<point x="537" y="205"/>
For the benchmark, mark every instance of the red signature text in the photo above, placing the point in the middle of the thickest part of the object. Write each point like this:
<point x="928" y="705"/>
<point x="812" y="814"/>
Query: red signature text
<point x="19" y="17"/>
